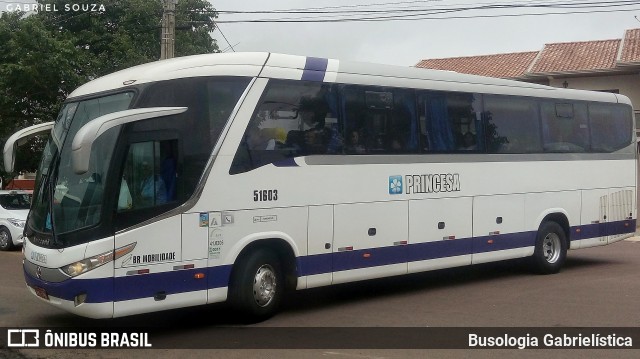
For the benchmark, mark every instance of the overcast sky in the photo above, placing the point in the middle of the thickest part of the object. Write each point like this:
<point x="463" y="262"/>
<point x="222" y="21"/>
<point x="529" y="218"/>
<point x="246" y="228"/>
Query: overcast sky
<point x="407" y="42"/>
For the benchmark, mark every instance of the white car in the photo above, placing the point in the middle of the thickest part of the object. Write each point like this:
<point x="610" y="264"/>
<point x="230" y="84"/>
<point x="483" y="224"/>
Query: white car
<point x="14" y="207"/>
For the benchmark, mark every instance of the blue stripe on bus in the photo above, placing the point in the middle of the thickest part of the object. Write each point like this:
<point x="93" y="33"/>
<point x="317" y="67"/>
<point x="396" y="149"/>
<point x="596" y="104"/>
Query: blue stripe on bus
<point x="148" y="285"/>
<point x="98" y="290"/>
<point x="504" y="241"/>
<point x="287" y="162"/>
<point x="314" y="69"/>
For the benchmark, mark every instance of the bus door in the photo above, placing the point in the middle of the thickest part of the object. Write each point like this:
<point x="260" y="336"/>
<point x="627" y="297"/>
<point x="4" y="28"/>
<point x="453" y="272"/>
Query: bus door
<point x="156" y="276"/>
<point x="370" y="240"/>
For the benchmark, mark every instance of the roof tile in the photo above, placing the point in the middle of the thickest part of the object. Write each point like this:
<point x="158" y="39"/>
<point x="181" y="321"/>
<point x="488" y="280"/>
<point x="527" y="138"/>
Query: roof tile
<point x="585" y="56"/>
<point x="501" y="65"/>
<point x="631" y="47"/>
<point x="577" y="56"/>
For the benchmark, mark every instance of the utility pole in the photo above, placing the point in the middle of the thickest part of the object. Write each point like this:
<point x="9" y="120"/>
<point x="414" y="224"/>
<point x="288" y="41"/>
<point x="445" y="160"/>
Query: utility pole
<point x="168" y="36"/>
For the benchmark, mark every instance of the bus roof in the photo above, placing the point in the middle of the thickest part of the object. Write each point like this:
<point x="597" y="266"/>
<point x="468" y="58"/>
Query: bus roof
<point x="270" y="65"/>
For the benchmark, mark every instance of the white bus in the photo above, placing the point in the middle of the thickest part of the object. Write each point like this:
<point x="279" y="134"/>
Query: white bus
<point x="240" y="176"/>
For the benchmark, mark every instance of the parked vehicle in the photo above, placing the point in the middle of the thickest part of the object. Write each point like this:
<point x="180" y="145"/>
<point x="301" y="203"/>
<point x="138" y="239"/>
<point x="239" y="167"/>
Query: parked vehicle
<point x="14" y="207"/>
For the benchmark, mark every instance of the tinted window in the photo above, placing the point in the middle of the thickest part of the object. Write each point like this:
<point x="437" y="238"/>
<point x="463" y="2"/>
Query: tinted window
<point x="565" y="127"/>
<point x="149" y="177"/>
<point x="210" y="102"/>
<point x="15" y="201"/>
<point x="512" y="125"/>
<point x="611" y="127"/>
<point x="450" y="122"/>
<point x="293" y="119"/>
<point x="380" y="121"/>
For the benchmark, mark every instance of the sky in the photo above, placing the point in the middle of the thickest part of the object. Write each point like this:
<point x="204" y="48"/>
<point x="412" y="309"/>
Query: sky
<point x="405" y="43"/>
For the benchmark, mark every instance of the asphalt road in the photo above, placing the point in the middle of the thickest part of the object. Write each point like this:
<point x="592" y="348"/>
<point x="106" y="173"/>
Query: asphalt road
<point x="598" y="287"/>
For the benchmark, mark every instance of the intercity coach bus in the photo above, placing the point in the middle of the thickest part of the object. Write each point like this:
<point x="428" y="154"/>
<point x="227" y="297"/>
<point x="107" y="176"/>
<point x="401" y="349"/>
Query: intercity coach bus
<point x="239" y="177"/>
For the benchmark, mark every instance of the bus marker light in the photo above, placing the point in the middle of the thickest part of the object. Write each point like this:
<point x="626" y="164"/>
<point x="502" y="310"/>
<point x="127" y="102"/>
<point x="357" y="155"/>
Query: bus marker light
<point x="186" y="266"/>
<point x="198" y="276"/>
<point x="140" y="271"/>
<point x="343" y="249"/>
<point x="494" y="233"/>
<point x="449" y="237"/>
<point x="578" y="230"/>
<point x="490" y="241"/>
<point x="400" y="243"/>
<point x="366" y="255"/>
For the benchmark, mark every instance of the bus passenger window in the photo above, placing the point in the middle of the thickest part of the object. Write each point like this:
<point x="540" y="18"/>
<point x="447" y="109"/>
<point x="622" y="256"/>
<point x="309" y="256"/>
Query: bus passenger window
<point x="611" y="127"/>
<point x="149" y="176"/>
<point x="380" y="120"/>
<point x="294" y="119"/>
<point x="512" y="125"/>
<point x="449" y="122"/>
<point x="565" y="127"/>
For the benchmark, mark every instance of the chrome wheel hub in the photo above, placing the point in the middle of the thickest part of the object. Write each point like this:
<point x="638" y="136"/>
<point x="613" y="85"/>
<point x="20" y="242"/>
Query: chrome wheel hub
<point x="551" y="247"/>
<point x="264" y="285"/>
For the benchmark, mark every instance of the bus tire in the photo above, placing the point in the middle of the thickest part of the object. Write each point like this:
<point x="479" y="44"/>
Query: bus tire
<point x="551" y="248"/>
<point x="6" y="242"/>
<point x="257" y="286"/>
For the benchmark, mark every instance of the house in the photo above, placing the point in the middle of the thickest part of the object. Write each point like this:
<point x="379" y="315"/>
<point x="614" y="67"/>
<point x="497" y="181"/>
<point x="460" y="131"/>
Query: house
<point x="603" y="65"/>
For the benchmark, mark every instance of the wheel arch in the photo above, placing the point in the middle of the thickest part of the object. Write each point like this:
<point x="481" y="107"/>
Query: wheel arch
<point x="281" y="244"/>
<point x="559" y="216"/>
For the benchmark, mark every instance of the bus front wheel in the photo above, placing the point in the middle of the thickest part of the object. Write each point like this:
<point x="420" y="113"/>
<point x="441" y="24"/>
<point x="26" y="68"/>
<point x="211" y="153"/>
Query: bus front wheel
<point x="551" y="248"/>
<point x="257" y="285"/>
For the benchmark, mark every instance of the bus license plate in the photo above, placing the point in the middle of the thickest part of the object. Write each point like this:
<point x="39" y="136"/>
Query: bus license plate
<point x="40" y="292"/>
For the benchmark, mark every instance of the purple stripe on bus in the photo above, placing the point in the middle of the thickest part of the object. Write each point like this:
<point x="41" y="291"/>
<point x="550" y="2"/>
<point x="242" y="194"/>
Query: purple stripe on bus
<point x="287" y="162"/>
<point x="148" y="285"/>
<point x="314" y="69"/>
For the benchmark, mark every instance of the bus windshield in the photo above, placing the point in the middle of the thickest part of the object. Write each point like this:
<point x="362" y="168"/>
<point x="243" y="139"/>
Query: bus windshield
<point x="75" y="199"/>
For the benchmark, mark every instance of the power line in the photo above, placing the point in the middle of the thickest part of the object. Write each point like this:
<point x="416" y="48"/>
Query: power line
<point x="427" y="14"/>
<point x="422" y="18"/>
<point x="225" y="38"/>
<point x="485" y="6"/>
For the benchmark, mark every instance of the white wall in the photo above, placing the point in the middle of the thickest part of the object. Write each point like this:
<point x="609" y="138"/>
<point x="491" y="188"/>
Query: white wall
<point x="629" y="85"/>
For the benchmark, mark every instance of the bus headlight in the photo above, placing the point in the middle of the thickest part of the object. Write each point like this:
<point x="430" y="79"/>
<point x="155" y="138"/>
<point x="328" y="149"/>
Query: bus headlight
<point x="85" y="265"/>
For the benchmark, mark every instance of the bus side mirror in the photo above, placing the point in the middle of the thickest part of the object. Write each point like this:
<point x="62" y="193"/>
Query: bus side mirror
<point x="89" y="133"/>
<point x="20" y="138"/>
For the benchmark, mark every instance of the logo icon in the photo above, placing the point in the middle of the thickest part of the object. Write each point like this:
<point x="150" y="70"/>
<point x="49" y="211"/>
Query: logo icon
<point x="395" y="184"/>
<point x="21" y="338"/>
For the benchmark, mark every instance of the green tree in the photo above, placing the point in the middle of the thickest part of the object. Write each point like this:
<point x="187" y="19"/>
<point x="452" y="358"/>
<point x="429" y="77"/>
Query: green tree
<point x="37" y="70"/>
<point x="46" y="55"/>
<point x="127" y="32"/>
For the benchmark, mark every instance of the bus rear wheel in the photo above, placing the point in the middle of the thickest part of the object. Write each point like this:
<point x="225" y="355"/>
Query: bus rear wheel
<point x="257" y="285"/>
<point x="551" y="248"/>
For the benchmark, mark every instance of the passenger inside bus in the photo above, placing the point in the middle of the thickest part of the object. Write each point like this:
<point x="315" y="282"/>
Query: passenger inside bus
<point x="355" y="146"/>
<point x="152" y="190"/>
